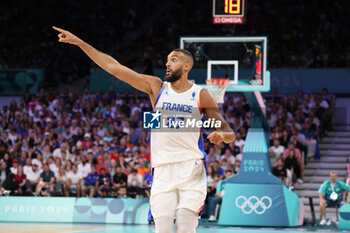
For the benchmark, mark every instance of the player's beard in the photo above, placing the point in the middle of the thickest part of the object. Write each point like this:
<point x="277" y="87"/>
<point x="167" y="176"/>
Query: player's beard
<point x="174" y="75"/>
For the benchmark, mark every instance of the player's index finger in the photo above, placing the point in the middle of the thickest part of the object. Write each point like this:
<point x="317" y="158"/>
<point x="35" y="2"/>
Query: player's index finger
<point x="58" y="29"/>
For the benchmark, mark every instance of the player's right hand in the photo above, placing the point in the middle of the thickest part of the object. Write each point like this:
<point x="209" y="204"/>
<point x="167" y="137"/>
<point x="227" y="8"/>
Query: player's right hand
<point x="215" y="137"/>
<point x="67" y="37"/>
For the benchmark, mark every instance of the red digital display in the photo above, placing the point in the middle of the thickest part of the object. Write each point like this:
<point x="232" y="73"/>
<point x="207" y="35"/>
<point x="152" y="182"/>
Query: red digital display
<point x="228" y="11"/>
<point x="233" y="7"/>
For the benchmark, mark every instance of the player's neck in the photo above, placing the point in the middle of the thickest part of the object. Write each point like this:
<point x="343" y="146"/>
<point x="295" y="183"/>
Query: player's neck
<point x="181" y="85"/>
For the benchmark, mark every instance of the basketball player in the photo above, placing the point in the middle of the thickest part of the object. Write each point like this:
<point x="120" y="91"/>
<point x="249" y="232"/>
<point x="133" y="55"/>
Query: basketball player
<point x="179" y="183"/>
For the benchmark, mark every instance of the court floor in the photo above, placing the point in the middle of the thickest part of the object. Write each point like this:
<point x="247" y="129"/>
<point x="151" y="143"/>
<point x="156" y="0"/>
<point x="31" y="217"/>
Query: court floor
<point x="89" y="228"/>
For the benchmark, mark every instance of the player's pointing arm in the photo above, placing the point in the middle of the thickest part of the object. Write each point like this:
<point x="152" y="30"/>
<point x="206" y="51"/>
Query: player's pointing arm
<point x="146" y="83"/>
<point x="211" y="110"/>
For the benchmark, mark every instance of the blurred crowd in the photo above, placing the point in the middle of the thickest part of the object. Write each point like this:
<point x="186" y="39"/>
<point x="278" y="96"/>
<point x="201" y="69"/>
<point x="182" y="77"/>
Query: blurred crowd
<point x="306" y="34"/>
<point x="94" y="145"/>
<point x="297" y="124"/>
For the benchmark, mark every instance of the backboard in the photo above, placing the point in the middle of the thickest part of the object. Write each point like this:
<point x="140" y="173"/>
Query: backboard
<point x="241" y="59"/>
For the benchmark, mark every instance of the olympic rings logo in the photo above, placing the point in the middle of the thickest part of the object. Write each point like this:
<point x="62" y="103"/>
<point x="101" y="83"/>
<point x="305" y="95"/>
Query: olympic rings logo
<point x="253" y="203"/>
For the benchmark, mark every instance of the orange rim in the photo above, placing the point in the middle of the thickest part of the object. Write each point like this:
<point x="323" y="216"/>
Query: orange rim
<point x="220" y="82"/>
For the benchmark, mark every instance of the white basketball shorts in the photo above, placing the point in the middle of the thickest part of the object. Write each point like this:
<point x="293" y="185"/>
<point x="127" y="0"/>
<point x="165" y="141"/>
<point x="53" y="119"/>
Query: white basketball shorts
<point x="178" y="185"/>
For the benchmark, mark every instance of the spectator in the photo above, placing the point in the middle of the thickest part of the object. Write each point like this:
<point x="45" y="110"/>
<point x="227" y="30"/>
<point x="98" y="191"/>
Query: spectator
<point x="84" y="167"/>
<point x="217" y="199"/>
<point x="62" y="149"/>
<point x="239" y="141"/>
<point x="56" y="167"/>
<point x="20" y="179"/>
<point x="47" y="180"/>
<point x="285" y="138"/>
<point x="7" y="160"/>
<point x="293" y="165"/>
<point x="212" y="156"/>
<point x="47" y="152"/>
<point x="280" y="171"/>
<point x="100" y="164"/>
<point x="229" y="157"/>
<point x="52" y="165"/>
<point x="147" y="184"/>
<point x="68" y="167"/>
<point x="122" y="193"/>
<point x="99" y="151"/>
<point x="119" y="178"/>
<point x="4" y="171"/>
<point x="331" y="194"/>
<point x="297" y="154"/>
<point x="103" y="183"/>
<point x="142" y="169"/>
<point x="212" y="178"/>
<point x="277" y="148"/>
<point x="135" y="182"/>
<point x="237" y="166"/>
<point x="14" y="168"/>
<point x="224" y="165"/>
<point x="143" y="153"/>
<point x="38" y="160"/>
<point x="74" y="179"/>
<point x="33" y="178"/>
<point x="219" y="171"/>
<point x="61" y="180"/>
<point x="90" y="183"/>
<point x="28" y="167"/>
<point x="299" y="141"/>
<point x="22" y="158"/>
<point x="273" y="158"/>
<point x="87" y="143"/>
<point x="11" y="185"/>
<point x="112" y="166"/>
<point x="311" y="136"/>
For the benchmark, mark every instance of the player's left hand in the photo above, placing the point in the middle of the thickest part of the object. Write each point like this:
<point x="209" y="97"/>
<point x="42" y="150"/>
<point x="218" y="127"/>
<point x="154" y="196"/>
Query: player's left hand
<point x="215" y="137"/>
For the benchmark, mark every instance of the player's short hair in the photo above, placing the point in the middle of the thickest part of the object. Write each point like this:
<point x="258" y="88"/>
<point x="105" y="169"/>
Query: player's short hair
<point x="186" y="53"/>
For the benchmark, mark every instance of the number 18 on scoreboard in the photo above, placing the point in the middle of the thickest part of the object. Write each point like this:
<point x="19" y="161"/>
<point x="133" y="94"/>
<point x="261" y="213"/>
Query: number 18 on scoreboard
<point x="229" y="11"/>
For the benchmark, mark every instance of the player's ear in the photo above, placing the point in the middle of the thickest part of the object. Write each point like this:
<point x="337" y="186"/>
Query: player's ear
<point x="187" y="67"/>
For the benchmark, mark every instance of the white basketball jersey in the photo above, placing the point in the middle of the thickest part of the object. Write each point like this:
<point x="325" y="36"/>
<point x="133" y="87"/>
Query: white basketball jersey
<point x="174" y="142"/>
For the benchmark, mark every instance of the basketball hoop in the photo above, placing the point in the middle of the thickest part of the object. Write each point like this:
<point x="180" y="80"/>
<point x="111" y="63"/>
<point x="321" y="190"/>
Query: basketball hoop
<point x="217" y="88"/>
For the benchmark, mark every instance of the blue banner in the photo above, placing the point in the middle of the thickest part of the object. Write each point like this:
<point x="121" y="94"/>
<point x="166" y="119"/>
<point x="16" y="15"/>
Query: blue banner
<point x="74" y="210"/>
<point x="35" y="209"/>
<point x="255" y="197"/>
<point x="253" y="204"/>
<point x="19" y="81"/>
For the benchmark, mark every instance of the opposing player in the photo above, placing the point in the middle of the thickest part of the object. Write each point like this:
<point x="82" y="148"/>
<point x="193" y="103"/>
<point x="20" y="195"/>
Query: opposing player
<point x="179" y="183"/>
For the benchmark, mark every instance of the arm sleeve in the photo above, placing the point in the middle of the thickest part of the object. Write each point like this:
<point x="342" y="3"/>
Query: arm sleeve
<point x="219" y="187"/>
<point x="322" y="189"/>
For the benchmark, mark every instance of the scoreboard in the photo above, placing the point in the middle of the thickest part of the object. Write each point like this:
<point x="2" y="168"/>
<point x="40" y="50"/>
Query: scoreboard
<point x="229" y="11"/>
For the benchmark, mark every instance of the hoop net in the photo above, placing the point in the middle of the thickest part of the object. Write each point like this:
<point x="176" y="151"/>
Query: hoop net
<point x="217" y="88"/>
